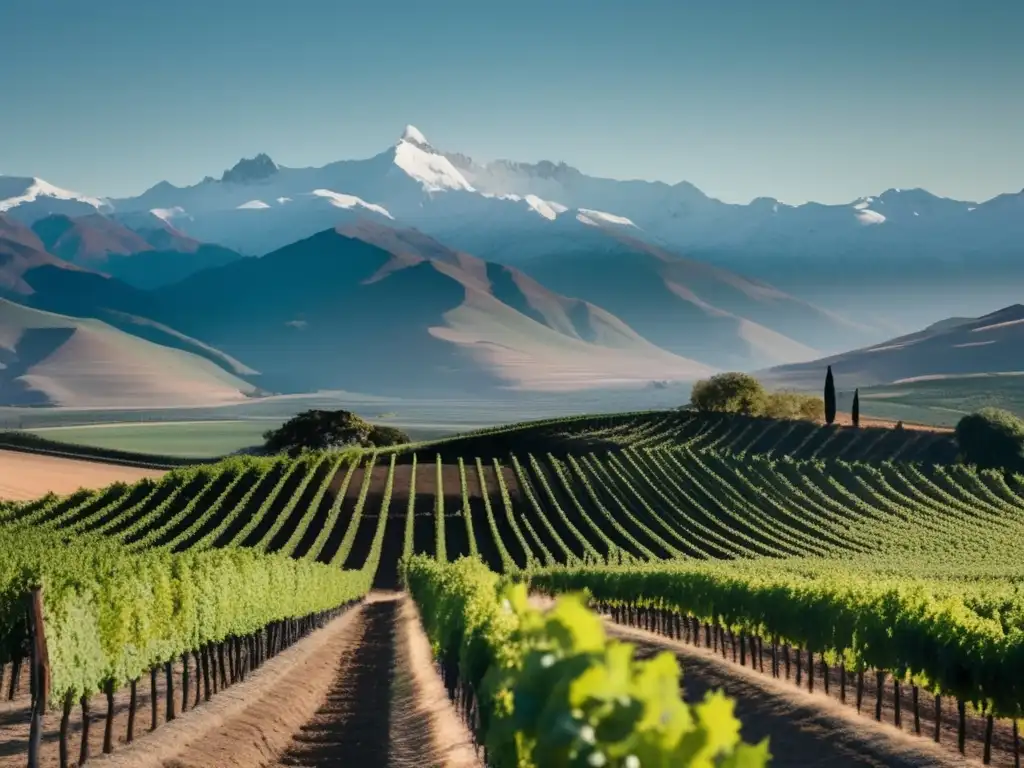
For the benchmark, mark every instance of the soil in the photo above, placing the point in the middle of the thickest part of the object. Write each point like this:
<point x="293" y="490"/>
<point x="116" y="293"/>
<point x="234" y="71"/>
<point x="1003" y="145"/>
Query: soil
<point x="25" y="476"/>
<point x="846" y="420"/>
<point x="814" y="728"/>
<point x="421" y="704"/>
<point x="424" y="512"/>
<point x="426" y="482"/>
<point x="153" y="748"/>
<point x="361" y="691"/>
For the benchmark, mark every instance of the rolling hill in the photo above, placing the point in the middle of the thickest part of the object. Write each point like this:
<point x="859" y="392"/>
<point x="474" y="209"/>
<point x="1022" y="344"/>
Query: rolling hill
<point x="153" y="256"/>
<point x="88" y="241"/>
<point x="689" y="307"/>
<point x="869" y="258"/>
<point x="406" y="315"/>
<point x="606" y="310"/>
<point x="50" y="359"/>
<point x="21" y="251"/>
<point x="952" y="348"/>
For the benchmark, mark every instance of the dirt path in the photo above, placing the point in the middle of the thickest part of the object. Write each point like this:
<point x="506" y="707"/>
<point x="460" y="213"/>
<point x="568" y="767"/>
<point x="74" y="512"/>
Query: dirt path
<point x="424" y="723"/>
<point x="387" y="706"/>
<point x="804" y="729"/>
<point x="25" y="476"/>
<point x="363" y="691"/>
<point x="249" y="723"/>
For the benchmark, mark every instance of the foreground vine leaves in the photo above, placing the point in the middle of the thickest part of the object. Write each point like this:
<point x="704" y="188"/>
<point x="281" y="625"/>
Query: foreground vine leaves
<point x="557" y="692"/>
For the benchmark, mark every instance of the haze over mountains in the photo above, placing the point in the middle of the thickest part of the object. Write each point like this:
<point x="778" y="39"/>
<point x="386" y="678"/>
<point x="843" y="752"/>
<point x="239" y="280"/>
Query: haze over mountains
<point x="955" y="347"/>
<point x="468" y="277"/>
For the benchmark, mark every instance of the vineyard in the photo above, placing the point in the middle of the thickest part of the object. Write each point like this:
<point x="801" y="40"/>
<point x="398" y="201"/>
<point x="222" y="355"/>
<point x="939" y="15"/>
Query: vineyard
<point x="858" y="552"/>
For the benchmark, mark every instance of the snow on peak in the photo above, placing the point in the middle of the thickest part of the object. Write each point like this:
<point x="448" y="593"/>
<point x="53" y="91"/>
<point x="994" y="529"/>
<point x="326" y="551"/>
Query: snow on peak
<point x="349" y="202"/>
<point x="597" y="218"/>
<point x="413" y="135"/>
<point x="253" y="205"/>
<point x="17" y="191"/>
<point x="435" y="172"/>
<point x="167" y="215"/>
<point x="414" y="155"/>
<point x="549" y="209"/>
<point x="867" y="217"/>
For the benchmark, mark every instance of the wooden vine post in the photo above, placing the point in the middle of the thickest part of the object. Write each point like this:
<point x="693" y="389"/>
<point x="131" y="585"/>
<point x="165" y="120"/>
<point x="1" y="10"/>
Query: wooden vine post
<point x="40" y="673"/>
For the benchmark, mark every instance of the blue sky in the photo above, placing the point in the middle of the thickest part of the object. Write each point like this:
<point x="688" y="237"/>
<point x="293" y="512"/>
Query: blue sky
<point x="810" y="100"/>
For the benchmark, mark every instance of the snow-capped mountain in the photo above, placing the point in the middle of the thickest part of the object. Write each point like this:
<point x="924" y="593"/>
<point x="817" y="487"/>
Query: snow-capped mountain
<point x="28" y="199"/>
<point x="258" y="206"/>
<point x="514" y="212"/>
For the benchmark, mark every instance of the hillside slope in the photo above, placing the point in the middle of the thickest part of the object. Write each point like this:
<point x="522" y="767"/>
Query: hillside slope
<point x="21" y="251"/>
<point x="689" y="307"/>
<point x="88" y="241"/>
<point x="409" y="317"/>
<point x="955" y="347"/>
<point x="151" y="256"/>
<point x="50" y="359"/>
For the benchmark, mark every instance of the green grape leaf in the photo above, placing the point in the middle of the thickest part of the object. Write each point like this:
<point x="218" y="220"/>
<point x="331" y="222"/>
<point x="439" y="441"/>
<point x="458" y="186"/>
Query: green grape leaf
<point x="748" y="756"/>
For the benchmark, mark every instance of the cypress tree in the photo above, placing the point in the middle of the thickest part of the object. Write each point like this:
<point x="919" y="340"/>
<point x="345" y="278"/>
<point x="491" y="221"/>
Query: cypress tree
<point x="855" y="411"/>
<point x="830" y="397"/>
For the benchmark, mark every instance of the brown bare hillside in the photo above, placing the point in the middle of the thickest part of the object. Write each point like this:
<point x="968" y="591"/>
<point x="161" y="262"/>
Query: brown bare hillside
<point x="51" y="359"/>
<point x="430" y="315"/>
<point x="21" y="251"/>
<point x="689" y="307"/>
<point x="88" y="240"/>
<point x="153" y="256"/>
<point x="569" y="316"/>
<point x="957" y="347"/>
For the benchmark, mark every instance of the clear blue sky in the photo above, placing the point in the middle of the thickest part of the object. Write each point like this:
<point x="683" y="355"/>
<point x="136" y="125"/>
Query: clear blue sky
<point x="811" y="99"/>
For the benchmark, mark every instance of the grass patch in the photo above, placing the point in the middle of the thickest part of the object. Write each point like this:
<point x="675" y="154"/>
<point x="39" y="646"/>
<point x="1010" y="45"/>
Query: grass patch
<point x="186" y="439"/>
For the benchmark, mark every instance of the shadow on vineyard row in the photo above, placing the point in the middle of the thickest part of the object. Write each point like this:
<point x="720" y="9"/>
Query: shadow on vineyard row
<point x="945" y="720"/>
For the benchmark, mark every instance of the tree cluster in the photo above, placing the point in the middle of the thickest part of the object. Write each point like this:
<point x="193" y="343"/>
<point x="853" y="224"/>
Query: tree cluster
<point x="321" y="430"/>
<point x="991" y="439"/>
<point x="742" y="393"/>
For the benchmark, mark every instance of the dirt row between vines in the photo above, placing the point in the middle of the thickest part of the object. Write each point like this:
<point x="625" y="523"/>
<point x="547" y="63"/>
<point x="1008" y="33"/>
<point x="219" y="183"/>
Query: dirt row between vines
<point x="306" y="657"/>
<point x="426" y="481"/>
<point x="803" y="728"/>
<point x="361" y="691"/>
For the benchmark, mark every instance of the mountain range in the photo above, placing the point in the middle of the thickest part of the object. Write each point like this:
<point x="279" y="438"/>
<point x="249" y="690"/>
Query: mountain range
<point x="952" y="348"/>
<point x="423" y="270"/>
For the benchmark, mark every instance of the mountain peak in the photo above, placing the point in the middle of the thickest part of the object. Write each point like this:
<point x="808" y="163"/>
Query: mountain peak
<point x="414" y="135"/>
<point x="423" y="163"/>
<point x="16" y="191"/>
<point x="251" y="169"/>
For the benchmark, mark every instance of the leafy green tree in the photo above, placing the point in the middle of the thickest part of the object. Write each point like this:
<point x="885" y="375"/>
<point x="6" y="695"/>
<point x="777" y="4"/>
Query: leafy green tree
<point x="991" y="438"/>
<point x="855" y="411"/>
<point x="383" y="435"/>
<point x="729" y="393"/>
<point x="320" y="430"/>
<point x="811" y="408"/>
<point x="792" y="405"/>
<point x="830" y="397"/>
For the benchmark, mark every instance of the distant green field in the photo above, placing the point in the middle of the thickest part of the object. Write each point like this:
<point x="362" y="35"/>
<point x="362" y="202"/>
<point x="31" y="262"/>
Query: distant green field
<point x="941" y="402"/>
<point x="197" y="439"/>
<point x="201" y="433"/>
<point x="191" y="439"/>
